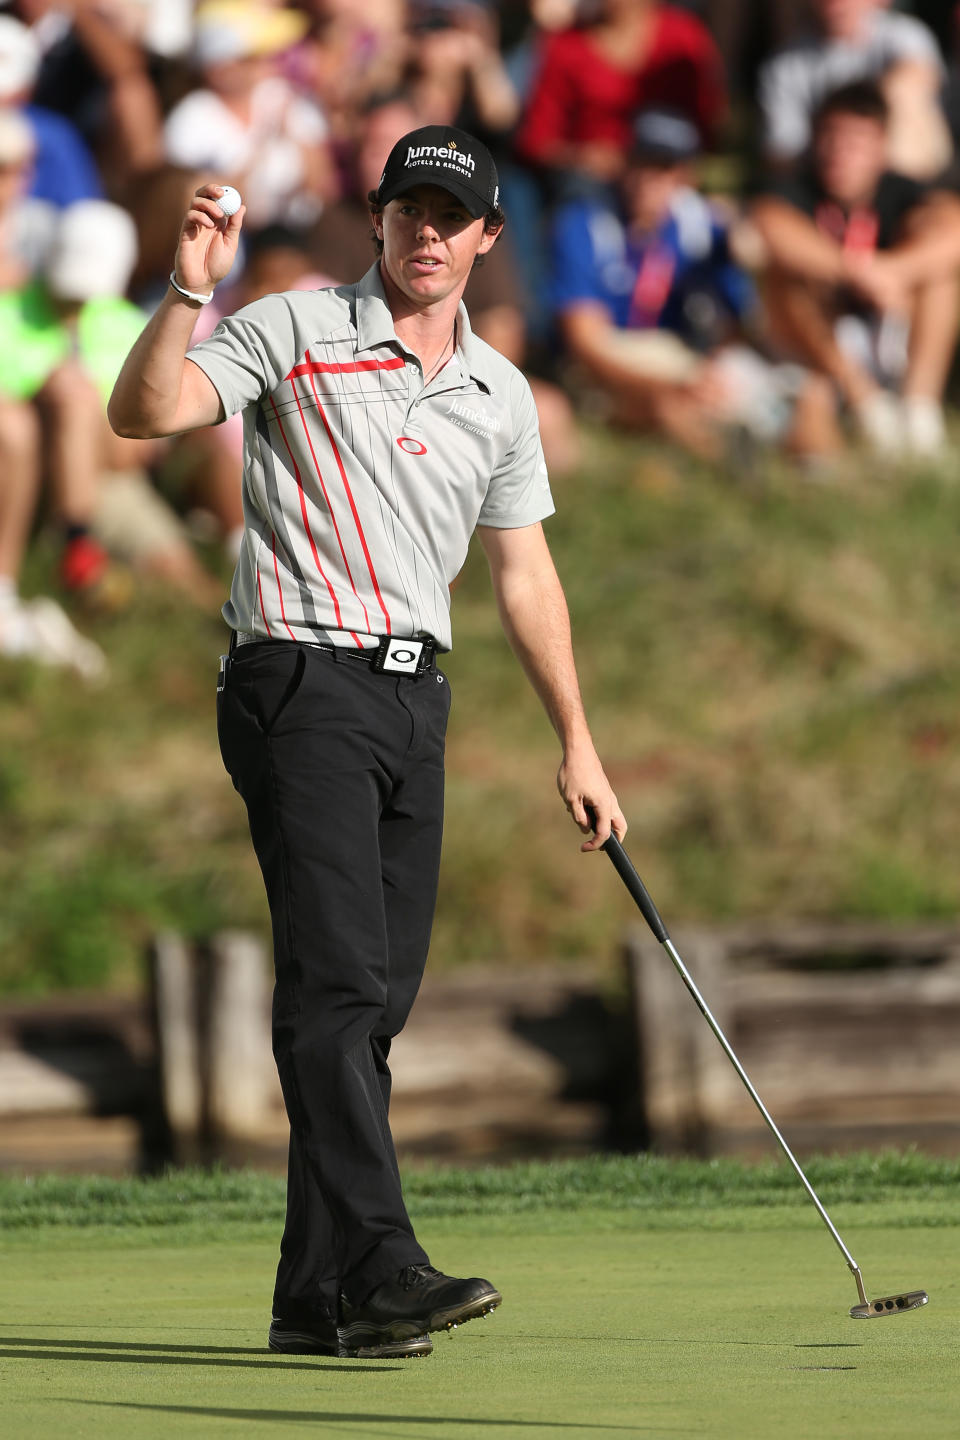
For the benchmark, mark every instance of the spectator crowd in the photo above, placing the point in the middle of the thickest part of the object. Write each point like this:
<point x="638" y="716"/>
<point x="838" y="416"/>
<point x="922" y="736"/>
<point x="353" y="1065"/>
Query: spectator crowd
<point x="729" y="222"/>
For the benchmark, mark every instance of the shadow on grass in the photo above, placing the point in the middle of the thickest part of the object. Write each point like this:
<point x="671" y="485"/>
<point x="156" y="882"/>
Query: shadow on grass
<point x="354" y="1417"/>
<point x="127" y="1352"/>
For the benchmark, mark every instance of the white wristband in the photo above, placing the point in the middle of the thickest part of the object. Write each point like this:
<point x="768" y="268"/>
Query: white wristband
<point x="189" y="294"/>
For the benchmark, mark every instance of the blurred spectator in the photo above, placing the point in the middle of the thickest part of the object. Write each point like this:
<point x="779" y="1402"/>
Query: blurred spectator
<point x="456" y="74"/>
<point x="863" y="280"/>
<point x="63" y="338"/>
<point x="651" y="301"/>
<point x="351" y="53"/>
<point x="859" y="40"/>
<point x="594" y="78"/>
<point x="35" y="629"/>
<point x="94" y="70"/>
<point x="342" y="247"/>
<point x="63" y="168"/>
<point x="247" y="125"/>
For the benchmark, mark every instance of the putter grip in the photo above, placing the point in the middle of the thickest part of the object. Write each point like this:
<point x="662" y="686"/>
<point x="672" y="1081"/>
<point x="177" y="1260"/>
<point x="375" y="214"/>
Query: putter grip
<point x="625" y="868"/>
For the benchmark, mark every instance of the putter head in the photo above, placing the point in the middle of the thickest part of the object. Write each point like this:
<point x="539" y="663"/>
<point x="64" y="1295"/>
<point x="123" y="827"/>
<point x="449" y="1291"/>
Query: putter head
<point x="890" y="1305"/>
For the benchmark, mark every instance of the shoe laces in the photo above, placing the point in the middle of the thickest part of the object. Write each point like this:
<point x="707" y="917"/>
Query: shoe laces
<point x="413" y="1275"/>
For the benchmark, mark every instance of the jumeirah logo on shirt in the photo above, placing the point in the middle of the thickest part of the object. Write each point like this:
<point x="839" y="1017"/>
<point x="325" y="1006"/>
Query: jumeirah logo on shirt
<point x="474" y="420"/>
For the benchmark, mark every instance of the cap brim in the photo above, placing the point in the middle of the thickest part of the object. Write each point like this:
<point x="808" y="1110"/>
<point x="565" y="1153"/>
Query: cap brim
<point x="469" y="199"/>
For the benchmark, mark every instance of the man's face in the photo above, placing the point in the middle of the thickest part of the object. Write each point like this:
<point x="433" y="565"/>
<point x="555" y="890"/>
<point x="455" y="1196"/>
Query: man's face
<point x="649" y="188"/>
<point x="850" y="153"/>
<point x="430" y="241"/>
<point x="845" y="19"/>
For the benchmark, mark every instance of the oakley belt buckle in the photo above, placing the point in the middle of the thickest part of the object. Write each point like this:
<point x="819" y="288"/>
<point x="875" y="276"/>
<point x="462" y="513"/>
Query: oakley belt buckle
<point x="399" y="657"/>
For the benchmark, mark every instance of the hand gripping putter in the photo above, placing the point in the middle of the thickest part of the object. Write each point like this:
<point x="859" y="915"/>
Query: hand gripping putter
<point x="867" y="1309"/>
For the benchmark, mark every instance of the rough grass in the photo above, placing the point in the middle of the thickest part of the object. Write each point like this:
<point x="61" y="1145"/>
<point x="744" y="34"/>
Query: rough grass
<point x="637" y="1183"/>
<point x="772" y="669"/>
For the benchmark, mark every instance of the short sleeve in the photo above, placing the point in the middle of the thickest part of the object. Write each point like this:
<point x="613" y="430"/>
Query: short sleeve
<point x="907" y="38"/>
<point x="519" y="489"/>
<point x="249" y="353"/>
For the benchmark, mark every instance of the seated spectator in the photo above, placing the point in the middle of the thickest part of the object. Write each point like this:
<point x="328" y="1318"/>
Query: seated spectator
<point x="855" y="40"/>
<point x="63" y="168"/>
<point x="246" y="124"/>
<point x="650" y="300"/>
<point x="863" y="277"/>
<point x="64" y="335"/>
<point x="36" y="629"/>
<point x="593" y="79"/>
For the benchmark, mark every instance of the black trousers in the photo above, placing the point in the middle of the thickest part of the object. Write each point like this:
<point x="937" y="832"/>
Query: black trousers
<point x="341" y="770"/>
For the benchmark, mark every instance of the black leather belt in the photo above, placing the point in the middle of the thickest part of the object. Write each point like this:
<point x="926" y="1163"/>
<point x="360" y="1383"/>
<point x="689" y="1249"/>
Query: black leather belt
<point x="392" y="655"/>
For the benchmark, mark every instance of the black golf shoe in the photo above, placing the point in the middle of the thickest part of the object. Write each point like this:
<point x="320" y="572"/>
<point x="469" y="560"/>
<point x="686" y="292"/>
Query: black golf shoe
<point x="297" y="1337"/>
<point x="419" y="1299"/>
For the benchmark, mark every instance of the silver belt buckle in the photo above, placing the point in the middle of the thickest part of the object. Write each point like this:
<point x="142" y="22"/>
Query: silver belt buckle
<point x="399" y="657"/>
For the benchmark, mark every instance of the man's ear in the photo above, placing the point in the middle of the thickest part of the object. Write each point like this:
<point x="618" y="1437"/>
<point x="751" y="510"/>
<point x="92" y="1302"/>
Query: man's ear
<point x="488" y="239"/>
<point x="376" y="220"/>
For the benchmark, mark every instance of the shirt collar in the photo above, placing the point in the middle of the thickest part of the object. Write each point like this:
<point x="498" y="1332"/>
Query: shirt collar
<point x="375" y="327"/>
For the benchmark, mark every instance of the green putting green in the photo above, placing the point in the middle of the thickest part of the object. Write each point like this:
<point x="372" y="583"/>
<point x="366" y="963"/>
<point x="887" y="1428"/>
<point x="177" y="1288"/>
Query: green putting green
<point x="609" y="1328"/>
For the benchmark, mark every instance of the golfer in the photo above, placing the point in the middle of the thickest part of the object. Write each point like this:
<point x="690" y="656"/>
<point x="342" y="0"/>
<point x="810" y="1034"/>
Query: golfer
<point x="379" y="432"/>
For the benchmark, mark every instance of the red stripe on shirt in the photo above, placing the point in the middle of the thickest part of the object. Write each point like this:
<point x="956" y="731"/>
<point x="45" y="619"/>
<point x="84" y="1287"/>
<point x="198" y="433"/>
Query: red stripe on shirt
<point x="320" y="367"/>
<point x="276" y="571"/>
<point x="306" y="523"/>
<point x="353" y="507"/>
<point x="336" y="527"/>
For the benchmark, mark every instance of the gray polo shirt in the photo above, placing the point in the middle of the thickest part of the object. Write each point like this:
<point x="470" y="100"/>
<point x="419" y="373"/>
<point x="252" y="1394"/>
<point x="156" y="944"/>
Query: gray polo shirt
<point x="794" y="82"/>
<point x="362" y="487"/>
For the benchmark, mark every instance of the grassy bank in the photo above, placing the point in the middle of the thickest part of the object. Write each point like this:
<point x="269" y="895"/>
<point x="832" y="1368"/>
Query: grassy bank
<point x="641" y="1183"/>
<point x="772" y="668"/>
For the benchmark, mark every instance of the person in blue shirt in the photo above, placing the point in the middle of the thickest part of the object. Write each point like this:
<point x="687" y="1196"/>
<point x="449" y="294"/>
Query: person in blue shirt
<point x="651" y="301"/>
<point x="64" y="170"/>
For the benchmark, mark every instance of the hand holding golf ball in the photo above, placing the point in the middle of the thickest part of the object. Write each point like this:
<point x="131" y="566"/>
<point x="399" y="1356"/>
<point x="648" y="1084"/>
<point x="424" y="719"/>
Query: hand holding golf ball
<point x="208" y="239"/>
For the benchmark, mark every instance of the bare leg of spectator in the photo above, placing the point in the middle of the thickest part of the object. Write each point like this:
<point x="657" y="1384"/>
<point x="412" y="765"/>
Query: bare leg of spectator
<point x="814" y="432"/>
<point x="558" y="427"/>
<point x="675" y="413"/>
<point x="933" y="337"/>
<point x="933" y="341"/>
<point x="73" y="427"/>
<point x="19" y="465"/>
<point x="213" y="471"/>
<point x="802" y="324"/>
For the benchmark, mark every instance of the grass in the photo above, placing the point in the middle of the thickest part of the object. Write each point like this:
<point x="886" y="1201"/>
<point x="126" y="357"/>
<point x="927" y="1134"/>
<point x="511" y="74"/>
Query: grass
<point x="771" y="666"/>
<point x="609" y="1182"/>
<point x="703" y="1311"/>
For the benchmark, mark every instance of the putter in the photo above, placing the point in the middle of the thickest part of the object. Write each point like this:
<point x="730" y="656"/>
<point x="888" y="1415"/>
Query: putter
<point x="867" y="1309"/>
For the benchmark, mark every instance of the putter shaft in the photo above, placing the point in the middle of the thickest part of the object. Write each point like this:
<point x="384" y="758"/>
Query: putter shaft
<point x="626" y="870"/>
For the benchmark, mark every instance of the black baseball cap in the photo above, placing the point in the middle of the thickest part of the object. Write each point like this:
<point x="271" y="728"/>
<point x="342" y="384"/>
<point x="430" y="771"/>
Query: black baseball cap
<point x="442" y="155"/>
<point x="665" y="137"/>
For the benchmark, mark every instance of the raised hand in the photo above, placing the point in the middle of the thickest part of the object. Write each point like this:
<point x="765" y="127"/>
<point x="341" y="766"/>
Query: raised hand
<point x="208" y="242"/>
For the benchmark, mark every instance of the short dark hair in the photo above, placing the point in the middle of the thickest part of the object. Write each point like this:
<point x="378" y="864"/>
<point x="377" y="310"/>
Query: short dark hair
<point x="493" y="220"/>
<point x="863" y="98"/>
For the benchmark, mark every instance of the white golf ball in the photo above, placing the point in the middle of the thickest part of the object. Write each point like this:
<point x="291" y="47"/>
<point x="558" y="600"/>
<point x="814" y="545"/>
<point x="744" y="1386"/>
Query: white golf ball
<point x="230" y="200"/>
